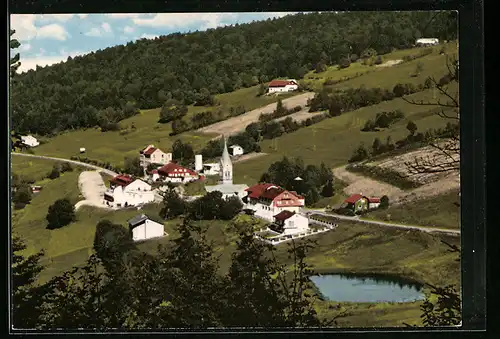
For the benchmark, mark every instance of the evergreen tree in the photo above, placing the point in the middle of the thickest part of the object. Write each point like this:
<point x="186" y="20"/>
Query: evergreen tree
<point x="173" y="205"/>
<point x="60" y="213"/>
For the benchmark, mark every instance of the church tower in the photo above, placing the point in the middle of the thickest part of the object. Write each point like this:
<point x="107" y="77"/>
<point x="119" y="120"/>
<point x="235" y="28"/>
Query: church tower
<point x="226" y="166"/>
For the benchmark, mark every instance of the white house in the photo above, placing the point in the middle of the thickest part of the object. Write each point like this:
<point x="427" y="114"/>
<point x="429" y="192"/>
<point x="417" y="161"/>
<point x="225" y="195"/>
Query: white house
<point x="283" y="86"/>
<point x="30" y="141"/>
<point x="143" y="228"/>
<point x="153" y="155"/>
<point x="236" y="150"/>
<point x="427" y="42"/>
<point x="172" y="172"/>
<point x="154" y="176"/>
<point x="287" y="222"/>
<point x="211" y="168"/>
<point x="268" y="200"/>
<point x="225" y="185"/>
<point x="124" y="192"/>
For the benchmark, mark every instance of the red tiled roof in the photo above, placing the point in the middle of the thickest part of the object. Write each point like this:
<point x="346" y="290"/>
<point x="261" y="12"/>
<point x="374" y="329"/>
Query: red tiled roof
<point x="154" y="171"/>
<point x="121" y="179"/>
<point x="256" y="191"/>
<point x="272" y="193"/>
<point x="283" y="215"/>
<point x="150" y="151"/>
<point x="353" y="198"/>
<point x="281" y="83"/>
<point x="171" y="168"/>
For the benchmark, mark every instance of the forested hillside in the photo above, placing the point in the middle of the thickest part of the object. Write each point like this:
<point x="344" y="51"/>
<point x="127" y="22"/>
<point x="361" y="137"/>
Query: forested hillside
<point x="111" y="84"/>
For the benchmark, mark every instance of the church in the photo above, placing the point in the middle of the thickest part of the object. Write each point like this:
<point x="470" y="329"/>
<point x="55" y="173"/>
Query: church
<point x="225" y="185"/>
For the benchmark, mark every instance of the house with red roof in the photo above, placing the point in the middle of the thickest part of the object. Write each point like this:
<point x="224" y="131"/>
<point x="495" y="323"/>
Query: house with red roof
<point x="124" y="191"/>
<point x="277" y="86"/>
<point x="360" y="203"/>
<point x="287" y="222"/>
<point x="175" y="173"/>
<point x="154" y="155"/>
<point x="268" y="200"/>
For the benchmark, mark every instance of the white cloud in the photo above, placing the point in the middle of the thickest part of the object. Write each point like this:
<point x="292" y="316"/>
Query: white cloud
<point x="128" y="29"/>
<point x="124" y="15"/>
<point x="53" y="31"/>
<point x="106" y="27"/>
<point x="94" y="32"/>
<point x="25" y="47"/>
<point x="55" y="17"/>
<point x="40" y="60"/>
<point x="24" y="25"/>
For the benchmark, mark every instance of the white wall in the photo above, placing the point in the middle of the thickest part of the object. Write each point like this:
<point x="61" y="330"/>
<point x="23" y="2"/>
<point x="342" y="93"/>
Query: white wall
<point x="130" y="196"/>
<point x="296" y="223"/>
<point x="237" y="150"/>
<point x="149" y="229"/>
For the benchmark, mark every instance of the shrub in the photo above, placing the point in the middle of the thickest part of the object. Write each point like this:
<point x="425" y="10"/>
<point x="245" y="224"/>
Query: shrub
<point x="22" y="195"/>
<point x="60" y="214"/>
<point x="54" y="174"/>
<point x="384" y="202"/>
<point x="66" y="167"/>
<point x="445" y="80"/>
<point x="344" y="63"/>
<point x="378" y="60"/>
<point x="354" y="57"/>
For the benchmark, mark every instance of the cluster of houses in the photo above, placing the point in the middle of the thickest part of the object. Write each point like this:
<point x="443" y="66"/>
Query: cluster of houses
<point x="280" y="207"/>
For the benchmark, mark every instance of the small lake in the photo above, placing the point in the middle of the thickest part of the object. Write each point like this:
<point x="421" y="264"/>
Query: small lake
<point x="350" y="288"/>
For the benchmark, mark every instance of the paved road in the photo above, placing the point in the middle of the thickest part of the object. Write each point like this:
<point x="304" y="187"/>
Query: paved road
<point x="381" y="223"/>
<point x="101" y="169"/>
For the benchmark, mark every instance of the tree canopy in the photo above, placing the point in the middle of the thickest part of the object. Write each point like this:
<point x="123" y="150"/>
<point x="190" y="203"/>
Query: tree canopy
<point x="108" y="85"/>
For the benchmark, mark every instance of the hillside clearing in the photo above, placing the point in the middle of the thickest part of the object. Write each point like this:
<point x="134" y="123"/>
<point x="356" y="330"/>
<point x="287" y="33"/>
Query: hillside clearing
<point x="237" y="124"/>
<point x="334" y="140"/>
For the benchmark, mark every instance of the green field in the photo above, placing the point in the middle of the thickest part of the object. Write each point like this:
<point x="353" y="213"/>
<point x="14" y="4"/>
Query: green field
<point x="113" y="146"/>
<point x="433" y="65"/>
<point x="438" y="211"/>
<point x="32" y="168"/>
<point x="334" y="140"/>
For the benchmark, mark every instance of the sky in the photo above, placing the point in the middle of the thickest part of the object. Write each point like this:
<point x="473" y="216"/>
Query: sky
<point x="47" y="39"/>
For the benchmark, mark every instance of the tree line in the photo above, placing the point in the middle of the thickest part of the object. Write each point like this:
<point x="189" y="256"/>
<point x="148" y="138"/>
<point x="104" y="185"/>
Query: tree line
<point x="105" y="86"/>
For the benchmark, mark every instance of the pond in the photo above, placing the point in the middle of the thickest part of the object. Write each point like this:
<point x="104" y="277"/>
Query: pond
<point x="352" y="288"/>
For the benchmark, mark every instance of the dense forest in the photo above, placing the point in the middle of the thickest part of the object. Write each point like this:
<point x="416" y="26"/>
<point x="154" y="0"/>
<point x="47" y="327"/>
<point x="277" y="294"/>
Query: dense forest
<point x="106" y="86"/>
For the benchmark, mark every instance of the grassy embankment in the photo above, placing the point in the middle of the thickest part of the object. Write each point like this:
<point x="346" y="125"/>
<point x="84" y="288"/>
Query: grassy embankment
<point x="438" y="211"/>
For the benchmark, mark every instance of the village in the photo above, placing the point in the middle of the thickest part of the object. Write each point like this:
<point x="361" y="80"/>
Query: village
<point x="242" y="166"/>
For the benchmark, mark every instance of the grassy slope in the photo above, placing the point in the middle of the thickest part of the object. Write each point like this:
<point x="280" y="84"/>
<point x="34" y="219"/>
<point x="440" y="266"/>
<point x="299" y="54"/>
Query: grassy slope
<point x="114" y="146"/>
<point x="438" y="211"/>
<point x="31" y="168"/>
<point x="432" y="64"/>
<point x="334" y="140"/>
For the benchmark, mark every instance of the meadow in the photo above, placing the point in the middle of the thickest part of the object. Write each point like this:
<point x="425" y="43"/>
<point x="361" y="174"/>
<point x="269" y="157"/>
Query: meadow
<point x="438" y="211"/>
<point x="371" y="76"/>
<point x="334" y="140"/>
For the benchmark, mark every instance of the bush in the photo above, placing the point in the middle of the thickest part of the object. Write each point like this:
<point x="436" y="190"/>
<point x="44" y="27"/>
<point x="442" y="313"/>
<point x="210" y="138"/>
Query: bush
<point x="66" y="167"/>
<point x="384" y="202"/>
<point x="344" y="63"/>
<point x="354" y="57"/>
<point x="378" y="60"/>
<point x="445" y="80"/>
<point x="60" y="214"/>
<point x="54" y="174"/>
<point x="22" y="195"/>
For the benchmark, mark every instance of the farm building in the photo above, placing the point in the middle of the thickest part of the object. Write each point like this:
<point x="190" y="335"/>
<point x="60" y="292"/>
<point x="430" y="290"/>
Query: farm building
<point x="268" y="200"/>
<point x="225" y="185"/>
<point x="153" y="155"/>
<point x="211" y="168"/>
<point x="30" y="141"/>
<point x="427" y="42"/>
<point x="173" y="172"/>
<point x="124" y="192"/>
<point x="143" y="228"/>
<point x="236" y="150"/>
<point x="283" y="86"/>
<point x="360" y="203"/>
<point x="287" y="222"/>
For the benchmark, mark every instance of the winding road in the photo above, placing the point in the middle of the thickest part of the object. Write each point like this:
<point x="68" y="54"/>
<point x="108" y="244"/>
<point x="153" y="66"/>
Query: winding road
<point x="79" y="163"/>
<point x="158" y="198"/>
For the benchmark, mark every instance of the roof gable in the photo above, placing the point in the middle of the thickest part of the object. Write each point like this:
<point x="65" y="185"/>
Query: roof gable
<point x="284" y="215"/>
<point x="281" y="83"/>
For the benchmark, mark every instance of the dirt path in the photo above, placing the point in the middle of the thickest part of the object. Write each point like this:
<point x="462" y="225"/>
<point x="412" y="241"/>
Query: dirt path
<point x="104" y="170"/>
<point x="390" y="63"/>
<point x="92" y="187"/>
<point x="234" y="125"/>
<point x="249" y="156"/>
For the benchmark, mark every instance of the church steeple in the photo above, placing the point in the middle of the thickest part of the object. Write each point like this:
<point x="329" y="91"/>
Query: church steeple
<point x="226" y="166"/>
